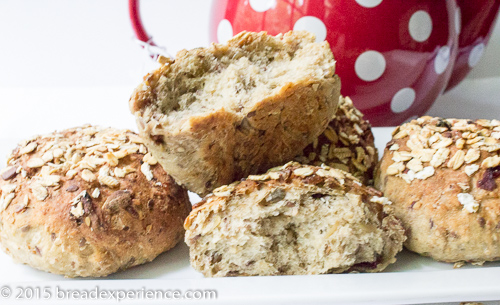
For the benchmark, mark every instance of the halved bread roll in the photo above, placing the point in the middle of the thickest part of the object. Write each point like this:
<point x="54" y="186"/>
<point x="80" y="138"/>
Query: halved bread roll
<point x="215" y="115"/>
<point x="293" y="220"/>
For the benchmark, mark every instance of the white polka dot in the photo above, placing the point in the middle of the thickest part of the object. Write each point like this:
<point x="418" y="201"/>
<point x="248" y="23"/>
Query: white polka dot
<point x="420" y="26"/>
<point x="370" y="65"/>
<point x="262" y="5"/>
<point x="224" y="31"/>
<point x="458" y="20"/>
<point x="368" y="3"/>
<point x="313" y="25"/>
<point x="442" y="59"/>
<point x="402" y="100"/>
<point x="475" y="54"/>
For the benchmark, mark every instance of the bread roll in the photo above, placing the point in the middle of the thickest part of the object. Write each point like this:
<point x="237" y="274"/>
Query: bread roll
<point x="442" y="176"/>
<point x="294" y="219"/>
<point x="346" y="144"/>
<point x="215" y="115"/>
<point x="88" y="201"/>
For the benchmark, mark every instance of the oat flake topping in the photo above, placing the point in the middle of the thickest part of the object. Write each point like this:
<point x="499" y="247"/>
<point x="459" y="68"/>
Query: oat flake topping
<point x="467" y="200"/>
<point x="429" y="143"/>
<point x="94" y="154"/>
<point x="435" y="142"/>
<point x="346" y="144"/>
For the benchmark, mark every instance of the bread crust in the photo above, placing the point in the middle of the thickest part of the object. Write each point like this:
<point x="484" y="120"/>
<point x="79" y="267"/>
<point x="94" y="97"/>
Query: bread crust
<point x="452" y="213"/>
<point x="360" y="237"/>
<point x="205" y="150"/>
<point x="58" y="222"/>
<point x="346" y="144"/>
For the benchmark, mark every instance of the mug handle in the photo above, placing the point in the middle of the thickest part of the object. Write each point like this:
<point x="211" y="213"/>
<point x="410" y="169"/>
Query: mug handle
<point x="142" y="38"/>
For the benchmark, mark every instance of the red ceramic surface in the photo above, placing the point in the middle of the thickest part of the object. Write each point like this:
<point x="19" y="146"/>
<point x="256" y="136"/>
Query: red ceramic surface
<point x="394" y="57"/>
<point x="475" y="22"/>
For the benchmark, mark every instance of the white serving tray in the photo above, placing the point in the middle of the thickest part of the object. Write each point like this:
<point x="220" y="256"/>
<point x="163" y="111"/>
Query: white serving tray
<point x="412" y="279"/>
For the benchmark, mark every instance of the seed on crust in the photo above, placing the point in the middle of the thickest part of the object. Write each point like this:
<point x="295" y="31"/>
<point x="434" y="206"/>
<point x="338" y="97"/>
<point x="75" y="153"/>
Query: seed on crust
<point x="111" y="159"/>
<point x="395" y="168"/>
<point x="445" y="142"/>
<point x="491" y="162"/>
<point x="401" y="156"/>
<point x="460" y="143"/>
<point x="9" y="173"/>
<point x="119" y="173"/>
<point x="58" y="153"/>
<point x="471" y="169"/>
<point x="108" y="181"/>
<point x="259" y="177"/>
<point x="146" y="170"/>
<point x="50" y="180"/>
<point x="39" y="191"/>
<point x="148" y="158"/>
<point x="88" y="175"/>
<point x="303" y="171"/>
<point x="96" y="193"/>
<point x="77" y="211"/>
<point x="48" y="156"/>
<point x="415" y="165"/>
<point x="6" y="200"/>
<point x="35" y="162"/>
<point x="394" y="147"/>
<point x="472" y="155"/>
<point x="71" y="174"/>
<point x="28" y="148"/>
<point x="440" y="156"/>
<point x="400" y="135"/>
<point x="425" y="173"/>
<point x="457" y="160"/>
<point x="381" y="200"/>
<point x="425" y="155"/>
<point x="468" y="201"/>
<point x="331" y="135"/>
<point x="8" y="188"/>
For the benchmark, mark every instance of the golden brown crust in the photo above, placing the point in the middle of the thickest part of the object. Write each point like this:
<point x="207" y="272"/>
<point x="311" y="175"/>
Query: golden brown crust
<point x="305" y="174"/>
<point x="207" y="149"/>
<point x="282" y="193"/>
<point x="442" y="177"/>
<point x="87" y="202"/>
<point x="346" y="144"/>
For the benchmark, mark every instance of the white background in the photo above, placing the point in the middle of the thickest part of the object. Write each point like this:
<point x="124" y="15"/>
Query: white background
<point x="65" y="63"/>
<point x="83" y="43"/>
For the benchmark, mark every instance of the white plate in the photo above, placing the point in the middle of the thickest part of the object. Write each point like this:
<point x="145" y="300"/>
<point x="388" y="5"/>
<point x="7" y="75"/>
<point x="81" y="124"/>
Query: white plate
<point x="412" y="279"/>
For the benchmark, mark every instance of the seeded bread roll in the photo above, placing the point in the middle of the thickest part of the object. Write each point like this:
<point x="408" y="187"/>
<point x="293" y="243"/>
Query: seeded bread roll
<point x="218" y="114"/>
<point x="88" y="202"/>
<point x="346" y="144"/>
<point x="442" y="176"/>
<point x="295" y="219"/>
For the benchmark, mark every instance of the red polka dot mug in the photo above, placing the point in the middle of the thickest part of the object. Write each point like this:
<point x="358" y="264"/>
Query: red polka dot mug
<point x="394" y="57"/>
<point x="474" y="23"/>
